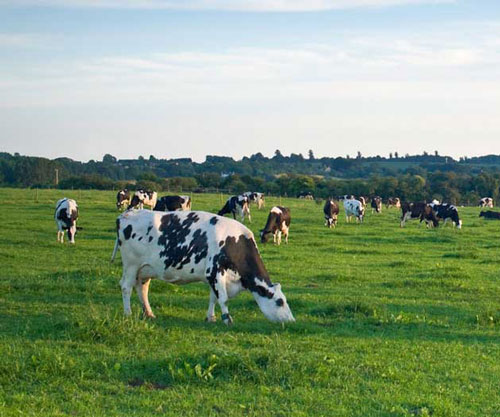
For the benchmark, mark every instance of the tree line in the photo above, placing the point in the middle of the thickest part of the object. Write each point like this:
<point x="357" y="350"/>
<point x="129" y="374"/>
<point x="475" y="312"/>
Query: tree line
<point x="417" y="177"/>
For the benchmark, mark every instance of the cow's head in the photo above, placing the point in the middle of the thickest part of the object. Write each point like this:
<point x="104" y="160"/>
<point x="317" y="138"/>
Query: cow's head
<point x="429" y="216"/>
<point x="264" y="235"/>
<point x="274" y="305"/>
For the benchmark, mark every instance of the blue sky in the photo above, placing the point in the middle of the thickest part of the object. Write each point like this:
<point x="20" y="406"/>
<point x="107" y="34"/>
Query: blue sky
<point x="81" y="78"/>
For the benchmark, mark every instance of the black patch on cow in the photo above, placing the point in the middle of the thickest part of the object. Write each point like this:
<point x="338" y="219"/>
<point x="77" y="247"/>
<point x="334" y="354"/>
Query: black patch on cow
<point x="133" y="235"/>
<point x="140" y="239"/>
<point x="149" y="229"/>
<point x="241" y="256"/>
<point x="280" y="302"/>
<point x="150" y="238"/>
<point x="213" y="221"/>
<point x="178" y="251"/>
<point x="221" y="243"/>
<point x="119" y="242"/>
<point x="192" y="270"/>
<point x="127" y="232"/>
<point x="117" y="226"/>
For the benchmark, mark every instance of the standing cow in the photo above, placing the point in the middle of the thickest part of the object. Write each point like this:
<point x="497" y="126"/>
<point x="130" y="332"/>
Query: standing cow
<point x="66" y="215"/>
<point x="254" y="197"/>
<point x="353" y="208"/>
<point x="278" y="222"/>
<point x="237" y="204"/>
<point x="376" y="204"/>
<point x="182" y="247"/>
<point x="446" y="212"/>
<point x="417" y="210"/>
<point x="393" y="202"/>
<point x="122" y="198"/>
<point x="144" y="197"/>
<point x="486" y="202"/>
<point x="331" y="210"/>
<point x="173" y="203"/>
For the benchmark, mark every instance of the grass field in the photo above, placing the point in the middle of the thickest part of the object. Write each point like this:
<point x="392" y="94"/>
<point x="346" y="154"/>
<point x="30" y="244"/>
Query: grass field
<point x="390" y="321"/>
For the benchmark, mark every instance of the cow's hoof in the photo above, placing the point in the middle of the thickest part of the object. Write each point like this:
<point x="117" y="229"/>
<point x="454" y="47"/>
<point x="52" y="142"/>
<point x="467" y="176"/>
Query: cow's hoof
<point x="228" y="320"/>
<point x="211" y="319"/>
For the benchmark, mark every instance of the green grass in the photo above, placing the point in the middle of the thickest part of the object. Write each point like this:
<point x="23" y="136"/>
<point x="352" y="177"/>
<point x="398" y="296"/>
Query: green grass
<point x="390" y="321"/>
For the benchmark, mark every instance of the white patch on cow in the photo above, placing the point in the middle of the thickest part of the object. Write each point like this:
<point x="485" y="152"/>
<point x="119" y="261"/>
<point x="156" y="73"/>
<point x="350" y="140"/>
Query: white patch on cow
<point x="276" y="210"/>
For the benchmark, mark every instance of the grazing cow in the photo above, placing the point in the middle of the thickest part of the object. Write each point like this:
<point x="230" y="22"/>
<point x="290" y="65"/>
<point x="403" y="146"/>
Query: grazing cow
<point x="66" y="215"/>
<point x="191" y="246"/>
<point x="393" y="202"/>
<point x="331" y="210"/>
<point x="254" y="197"/>
<point x="490" y="215"/>
<point x="353" y="208"/>
<point x="486" y="202"/>
<point x="173" y="203"/>
<point x="417" y="211"/>
<point x="278" y="222"/>
<point x="122" y="198"/>
<point x="142" y="197"/>
<point x="376" y="204"/>
<point x="446" y="212"/>
<point x="237" y="205"/>
<point x="307" y="195"/>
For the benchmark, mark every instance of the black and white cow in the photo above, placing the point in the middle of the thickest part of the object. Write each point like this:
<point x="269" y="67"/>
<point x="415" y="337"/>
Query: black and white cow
<point x="376" y="204"/>
<point x="143" y="197"/>
<point x="486" y="202"/>
<point x="254" y="197"/>
<point x="278" y="222"/>
<point x="237" y="204"/>
<point x="66" y="215"/>
<point x="191" y="246"/>
<point x="173" y="203"/>
<point x="418" y="210"/>
<point x="331" y="210"/>
<point x="490" y="215"/>
<point x="122" y="198"/>
<point x="353" y="208"/>
<point x="306" y="195"/>
<point x="446" y="212"/>
<point x="393" y="202"/>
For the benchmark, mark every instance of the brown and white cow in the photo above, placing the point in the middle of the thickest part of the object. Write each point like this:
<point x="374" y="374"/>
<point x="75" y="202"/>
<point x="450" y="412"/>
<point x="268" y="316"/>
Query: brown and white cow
<point x="278" y="223"/>
<point x="192" y="246"/>
<point x="122" y="199"/>
<point x="376" y="204"/>
<point x="331" y="211"/>
<point x="393" y="202"/>
<point x="66" y="215"/>
<point x="418" y="210"/>
<point x="143" y="197"/>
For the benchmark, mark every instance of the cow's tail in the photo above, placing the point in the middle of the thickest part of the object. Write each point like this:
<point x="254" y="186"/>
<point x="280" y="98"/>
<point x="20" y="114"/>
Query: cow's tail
<point x="115" y="249"/>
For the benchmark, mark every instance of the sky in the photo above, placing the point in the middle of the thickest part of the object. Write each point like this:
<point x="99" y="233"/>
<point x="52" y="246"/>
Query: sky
<point x="190" y="78"/>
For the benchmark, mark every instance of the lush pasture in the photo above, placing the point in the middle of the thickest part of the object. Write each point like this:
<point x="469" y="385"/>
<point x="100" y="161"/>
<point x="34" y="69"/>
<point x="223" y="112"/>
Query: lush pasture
<point x="390" y="322"/>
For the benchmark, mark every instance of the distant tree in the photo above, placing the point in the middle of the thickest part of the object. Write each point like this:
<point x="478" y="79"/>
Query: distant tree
<point x="311" y="155"/>
<point x="390" y="155"/>
<point x="359" y="155"/>
<point x="152" y="158"/>
<point x="436" y="153"/>
<point x="396" y="155"/>
<point x="108" y="159"/>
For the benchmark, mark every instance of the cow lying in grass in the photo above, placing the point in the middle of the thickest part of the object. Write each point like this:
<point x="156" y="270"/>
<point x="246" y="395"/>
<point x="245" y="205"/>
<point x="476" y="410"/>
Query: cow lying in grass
<point x="182" y="247"/>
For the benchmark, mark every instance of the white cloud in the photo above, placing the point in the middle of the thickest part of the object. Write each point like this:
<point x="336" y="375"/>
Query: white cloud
<point x="235" y="5"/>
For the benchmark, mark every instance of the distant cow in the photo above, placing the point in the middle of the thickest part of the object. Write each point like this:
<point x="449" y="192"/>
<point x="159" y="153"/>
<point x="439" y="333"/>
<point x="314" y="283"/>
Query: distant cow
<point x="237" y="204"/>
<point x="143" y="197"/>
<point x="376" y="204"/>
<point x="173" y="203"/>
<point x="393" y="202"/>
<point x="278" y="222"/>
<point x="353" y="208"/>
<point x="254" y="197"/>
<point x="307" y="195"/>
<point x="490" y="215"/>
<point x="189" y="246"/>
<point x="446" y="212"/>
<point x="122" y="198"/>
<point x="417" y="211"/>
<point x="331" y="210"/>
<point x="486" y="202"/>
<point x="66" y="215"/>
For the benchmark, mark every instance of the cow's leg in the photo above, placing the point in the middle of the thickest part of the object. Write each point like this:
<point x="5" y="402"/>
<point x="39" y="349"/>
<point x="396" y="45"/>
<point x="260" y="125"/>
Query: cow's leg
<point x="285" y="232"/>
<point x="211" y="307"/>
<point x="127" y="282"/>
<point x="278" y="232"/>
<point x="219" y="287"/>
<point x="142" y="288"/>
